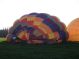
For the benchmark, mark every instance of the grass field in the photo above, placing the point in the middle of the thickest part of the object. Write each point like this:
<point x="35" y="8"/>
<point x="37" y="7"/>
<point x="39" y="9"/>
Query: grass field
<point x="24" y="51"/>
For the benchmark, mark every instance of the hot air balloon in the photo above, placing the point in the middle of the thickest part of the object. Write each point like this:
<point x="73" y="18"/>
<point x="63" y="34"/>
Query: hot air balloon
<point x="73" y="30"/>
<point x="37" y="28"/>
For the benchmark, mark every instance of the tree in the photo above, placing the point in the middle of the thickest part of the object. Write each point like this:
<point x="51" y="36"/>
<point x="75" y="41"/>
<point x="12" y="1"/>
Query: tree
<point x="3" y="32"/>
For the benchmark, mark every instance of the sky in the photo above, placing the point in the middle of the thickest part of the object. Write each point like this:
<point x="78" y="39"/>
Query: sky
<point x="11" y="10"/>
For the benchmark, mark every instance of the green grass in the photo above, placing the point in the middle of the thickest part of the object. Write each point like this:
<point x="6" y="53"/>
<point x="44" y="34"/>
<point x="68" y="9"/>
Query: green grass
<point x="23" y="51"/>
<point x="2" y="39"/>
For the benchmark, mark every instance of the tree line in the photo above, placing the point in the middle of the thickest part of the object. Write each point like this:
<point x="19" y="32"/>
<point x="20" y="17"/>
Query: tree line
<point x="3" y="32"/>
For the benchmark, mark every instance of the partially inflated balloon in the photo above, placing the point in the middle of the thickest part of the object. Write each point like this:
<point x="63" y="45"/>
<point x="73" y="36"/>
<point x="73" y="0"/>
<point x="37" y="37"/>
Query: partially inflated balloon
<point x="37" y="28"/>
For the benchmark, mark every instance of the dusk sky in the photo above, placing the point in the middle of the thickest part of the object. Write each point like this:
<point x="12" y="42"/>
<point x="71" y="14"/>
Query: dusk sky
<point x="11" y="10"/>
